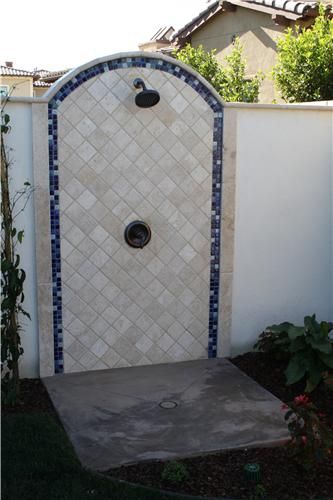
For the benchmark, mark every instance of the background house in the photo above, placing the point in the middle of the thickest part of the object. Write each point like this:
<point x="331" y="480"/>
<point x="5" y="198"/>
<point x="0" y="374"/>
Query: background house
<point x="258" y="24"/>
<point x="160" y="41"/>
<point x="15" y="82"/>
<point x="18" y="82"/>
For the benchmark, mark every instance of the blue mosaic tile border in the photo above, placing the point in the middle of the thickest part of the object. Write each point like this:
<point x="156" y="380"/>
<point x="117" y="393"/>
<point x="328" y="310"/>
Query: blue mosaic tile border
<point x="205" y="93"/>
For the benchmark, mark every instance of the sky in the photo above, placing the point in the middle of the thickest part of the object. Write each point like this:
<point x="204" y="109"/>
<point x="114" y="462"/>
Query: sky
<point x="67" y="33"/>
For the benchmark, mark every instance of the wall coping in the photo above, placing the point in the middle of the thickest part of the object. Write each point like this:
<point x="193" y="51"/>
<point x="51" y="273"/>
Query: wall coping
<point x="320" y="106"/>
<point x="313" y="106"/>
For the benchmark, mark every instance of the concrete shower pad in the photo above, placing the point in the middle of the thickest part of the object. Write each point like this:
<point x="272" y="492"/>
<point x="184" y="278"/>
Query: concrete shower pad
<point x="115" y="417"/>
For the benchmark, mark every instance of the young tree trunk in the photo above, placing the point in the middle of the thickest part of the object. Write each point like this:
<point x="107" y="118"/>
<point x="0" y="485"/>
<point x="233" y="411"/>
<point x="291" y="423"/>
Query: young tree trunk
<point x="8" y="250"/>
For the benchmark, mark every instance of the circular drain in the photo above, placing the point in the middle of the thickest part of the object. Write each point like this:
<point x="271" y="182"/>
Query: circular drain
<point x="168" y="405"/>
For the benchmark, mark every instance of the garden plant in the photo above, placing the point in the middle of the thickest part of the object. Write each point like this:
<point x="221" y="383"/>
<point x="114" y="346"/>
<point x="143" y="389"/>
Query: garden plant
<point x="309" y="349"/>
<point x="304" y="69"/>
<point x="174" y="472"/>
<point x="228" y="79"/>
<point x="12" y="275"/>
<point x="311" y="436"/>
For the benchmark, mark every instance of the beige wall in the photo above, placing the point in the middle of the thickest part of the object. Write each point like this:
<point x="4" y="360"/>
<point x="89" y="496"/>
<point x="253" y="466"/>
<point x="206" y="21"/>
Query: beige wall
<point x="40" y="91"/>
<point x="258" y="35"/>
<point x="18" y="86"/>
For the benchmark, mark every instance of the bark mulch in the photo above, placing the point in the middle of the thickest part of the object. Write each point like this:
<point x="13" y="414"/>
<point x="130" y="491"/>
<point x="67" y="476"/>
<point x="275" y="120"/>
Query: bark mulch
<point x="221" y="475"/>
<point x="33" y="398"/>
<point x="269" y="373"/>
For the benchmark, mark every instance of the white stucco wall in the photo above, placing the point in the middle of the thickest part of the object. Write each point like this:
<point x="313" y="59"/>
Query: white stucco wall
<point x="20" y="140"/>
<point x="283" y="221"/>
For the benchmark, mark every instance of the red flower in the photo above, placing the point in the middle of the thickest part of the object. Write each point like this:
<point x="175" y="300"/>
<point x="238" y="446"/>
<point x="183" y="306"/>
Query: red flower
<point x="284" y="406"/>
<point x="302" y="400"/>
<point x="304" y="439"/>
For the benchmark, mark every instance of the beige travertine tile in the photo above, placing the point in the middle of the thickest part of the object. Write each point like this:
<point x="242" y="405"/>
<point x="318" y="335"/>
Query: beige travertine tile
<point x="225" y="314"/>
<point x="45" y="326"/>
<point x="123" y="163"/>
<point x="43" y="247"/>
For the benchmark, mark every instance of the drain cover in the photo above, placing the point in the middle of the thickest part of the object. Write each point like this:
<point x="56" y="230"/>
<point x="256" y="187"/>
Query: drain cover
<point x="168" y="405"/>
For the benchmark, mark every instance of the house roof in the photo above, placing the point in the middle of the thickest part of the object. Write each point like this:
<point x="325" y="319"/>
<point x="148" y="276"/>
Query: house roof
<point x="289" y="9"/>
<point x="8" y="71"/>
<point x="163" y="34"/>
<point x="41" y="78"/>
<point x="40" y="83"/>
<point x="51" y="76"/>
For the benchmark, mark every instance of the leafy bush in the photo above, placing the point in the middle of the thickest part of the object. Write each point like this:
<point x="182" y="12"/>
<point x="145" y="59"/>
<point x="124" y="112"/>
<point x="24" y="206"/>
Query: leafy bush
<point x="304" y="69"/>
<point x="229" y="80"/>
<point x="311" y="437"/>
<point x="309" y="349"/>
<point x="174" y="472"/>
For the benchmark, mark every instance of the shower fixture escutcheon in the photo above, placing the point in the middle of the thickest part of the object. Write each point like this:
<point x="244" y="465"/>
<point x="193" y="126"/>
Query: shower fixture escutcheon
<point x="137" y="234"/>
<point x="147" y="97"/>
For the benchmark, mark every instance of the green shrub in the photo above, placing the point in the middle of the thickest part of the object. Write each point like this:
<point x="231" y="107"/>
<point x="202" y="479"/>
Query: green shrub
<point x="309" y="349"/>
<point x="304" y="68"/>
<point x="229" y="79"/>
<point x="174" y="472"/>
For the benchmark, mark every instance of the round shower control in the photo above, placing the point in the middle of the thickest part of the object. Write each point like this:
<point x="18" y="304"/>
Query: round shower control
<point x="137" y="234"/>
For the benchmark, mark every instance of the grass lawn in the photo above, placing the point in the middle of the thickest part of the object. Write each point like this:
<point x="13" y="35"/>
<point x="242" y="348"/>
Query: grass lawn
<point x="39" y="463"/>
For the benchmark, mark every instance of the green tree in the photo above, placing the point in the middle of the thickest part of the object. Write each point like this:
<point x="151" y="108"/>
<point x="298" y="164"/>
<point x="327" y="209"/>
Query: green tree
<point x="304" y="69"/>
<point x="228" y="79"/>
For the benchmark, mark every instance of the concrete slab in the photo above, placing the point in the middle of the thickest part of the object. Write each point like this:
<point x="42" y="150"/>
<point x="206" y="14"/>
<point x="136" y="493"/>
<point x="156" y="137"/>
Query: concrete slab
<point x="113" y="416"/>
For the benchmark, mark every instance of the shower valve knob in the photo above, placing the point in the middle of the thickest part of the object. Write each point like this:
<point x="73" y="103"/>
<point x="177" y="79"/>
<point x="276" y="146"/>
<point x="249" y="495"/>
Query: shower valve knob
<point x="137" y="234"/>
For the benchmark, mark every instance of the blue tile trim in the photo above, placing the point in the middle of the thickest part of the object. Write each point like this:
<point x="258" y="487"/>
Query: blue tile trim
<point x="214" y="286"/>
<point x="205" y="93"/>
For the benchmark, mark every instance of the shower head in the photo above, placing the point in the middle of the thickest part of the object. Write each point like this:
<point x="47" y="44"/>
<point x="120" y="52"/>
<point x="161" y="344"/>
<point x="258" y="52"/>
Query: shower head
<point x="147" y="97"/>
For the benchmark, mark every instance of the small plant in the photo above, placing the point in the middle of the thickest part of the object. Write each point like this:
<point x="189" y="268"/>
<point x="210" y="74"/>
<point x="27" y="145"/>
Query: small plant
<point x="311" y="437"/>
<point x="259" y="492"/>
<point x="174" y="472"/>
<point x="309" y="349"/>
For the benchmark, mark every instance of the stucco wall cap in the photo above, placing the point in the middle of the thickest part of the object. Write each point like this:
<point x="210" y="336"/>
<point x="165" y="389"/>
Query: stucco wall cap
<point x="320" y="106"/>
<point x="153" y="55"/>
<point x="27" y="100"/>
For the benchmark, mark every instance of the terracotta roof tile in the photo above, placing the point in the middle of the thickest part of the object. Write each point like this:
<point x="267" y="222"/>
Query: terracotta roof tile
<point x="40" y="83"/>
<point x="7" y="71"/>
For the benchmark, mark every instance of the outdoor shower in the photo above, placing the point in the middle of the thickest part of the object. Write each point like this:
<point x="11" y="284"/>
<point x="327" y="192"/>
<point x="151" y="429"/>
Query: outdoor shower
<point x="147" y="97"/>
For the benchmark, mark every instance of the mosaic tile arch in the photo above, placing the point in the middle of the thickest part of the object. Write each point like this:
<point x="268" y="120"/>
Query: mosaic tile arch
<point x="57" y="97"/>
